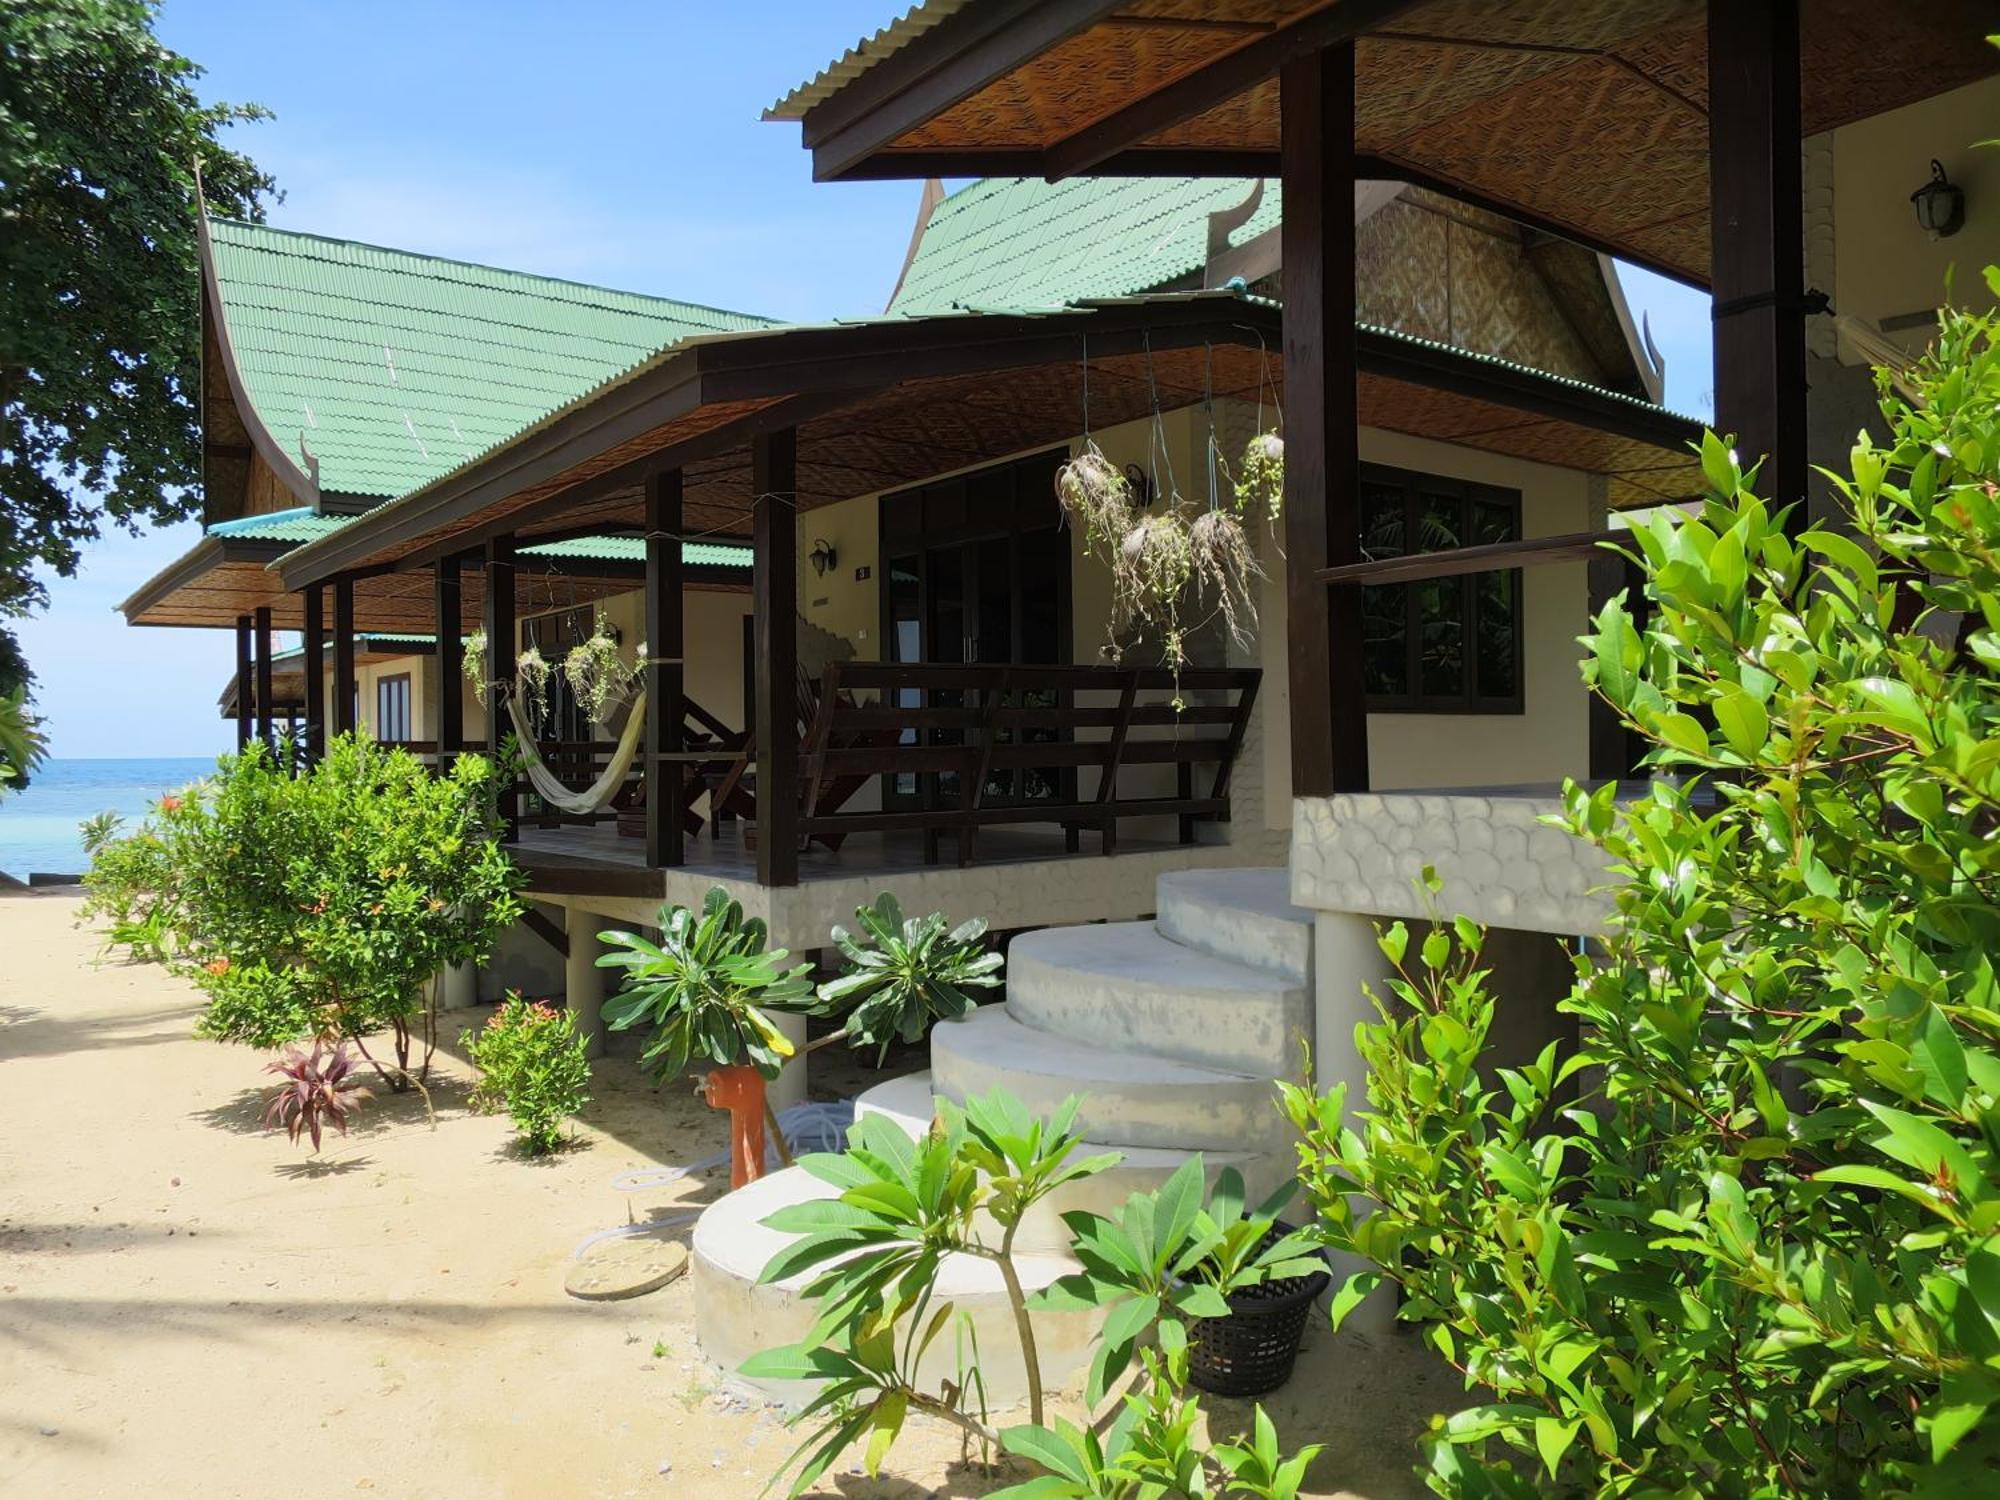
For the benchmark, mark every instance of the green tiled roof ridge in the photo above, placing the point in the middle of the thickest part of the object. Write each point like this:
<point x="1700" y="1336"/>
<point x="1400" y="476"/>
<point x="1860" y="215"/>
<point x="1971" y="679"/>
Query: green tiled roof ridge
<point x="1014" y="241"/>
<point x="619" y="299"/>
<point x="393" y="367"/>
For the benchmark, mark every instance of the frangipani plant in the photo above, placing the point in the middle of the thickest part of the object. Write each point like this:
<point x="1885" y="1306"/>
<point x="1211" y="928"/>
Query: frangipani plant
<point x="705" y="988"/>
<point x="905" y="974"/>
<point x="903" y="1206"/>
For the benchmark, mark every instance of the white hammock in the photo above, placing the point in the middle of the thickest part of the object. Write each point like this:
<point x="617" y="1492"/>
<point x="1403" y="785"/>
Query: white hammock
<point x="596" y="796"/>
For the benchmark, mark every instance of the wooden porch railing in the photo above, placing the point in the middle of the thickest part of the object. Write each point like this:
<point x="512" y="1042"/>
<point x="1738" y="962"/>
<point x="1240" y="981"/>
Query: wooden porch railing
<point x="1011" y="722"/>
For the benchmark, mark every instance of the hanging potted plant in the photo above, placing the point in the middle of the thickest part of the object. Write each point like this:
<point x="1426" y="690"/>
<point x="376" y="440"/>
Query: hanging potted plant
<point x="597" y="672"/>
<point x="531" y="682"/>
<point x="473" y="663"/>
<point x="1259" y="481"/>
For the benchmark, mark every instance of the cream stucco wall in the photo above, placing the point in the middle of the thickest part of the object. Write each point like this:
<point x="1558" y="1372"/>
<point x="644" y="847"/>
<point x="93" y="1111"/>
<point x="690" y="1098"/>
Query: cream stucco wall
<point x="1545" y="742"/>
<point x="1884" y="265"/>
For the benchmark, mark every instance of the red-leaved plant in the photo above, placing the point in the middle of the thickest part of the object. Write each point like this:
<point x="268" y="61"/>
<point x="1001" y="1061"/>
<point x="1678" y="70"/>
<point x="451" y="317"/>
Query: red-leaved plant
<point x="316" y="1093"/>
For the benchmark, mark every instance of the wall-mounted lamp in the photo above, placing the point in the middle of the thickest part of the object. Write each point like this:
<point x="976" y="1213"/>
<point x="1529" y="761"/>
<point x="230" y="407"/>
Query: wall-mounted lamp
<point x="823" y="557"/>
<point x="1940" y="204"/>
<point x="1141" y="484"/>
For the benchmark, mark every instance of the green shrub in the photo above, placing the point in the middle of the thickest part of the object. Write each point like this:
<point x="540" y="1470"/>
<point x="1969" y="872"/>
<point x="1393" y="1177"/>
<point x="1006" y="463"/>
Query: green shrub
<point x="1757" y="1255"/>
<point x="904" y="1205"/>
<point x="129" y="887"/>
<point x="323" y="904"/>
<point x="531" y="1064"/>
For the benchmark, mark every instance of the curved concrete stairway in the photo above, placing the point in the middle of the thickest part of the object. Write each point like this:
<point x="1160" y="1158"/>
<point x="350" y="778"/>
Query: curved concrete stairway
<point x="1171" y="1030"/>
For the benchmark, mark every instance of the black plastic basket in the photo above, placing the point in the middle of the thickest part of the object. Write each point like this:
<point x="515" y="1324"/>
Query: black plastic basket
<point x="1253" y="1349"/>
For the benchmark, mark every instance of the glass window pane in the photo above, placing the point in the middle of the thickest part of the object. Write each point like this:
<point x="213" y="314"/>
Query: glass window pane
<point x="1384" y="609"/>
<point x="1440" y="603"/>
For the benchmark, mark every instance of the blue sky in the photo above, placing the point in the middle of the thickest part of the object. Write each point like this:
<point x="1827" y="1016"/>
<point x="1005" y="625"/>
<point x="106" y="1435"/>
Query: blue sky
<point x="612" y="141"/>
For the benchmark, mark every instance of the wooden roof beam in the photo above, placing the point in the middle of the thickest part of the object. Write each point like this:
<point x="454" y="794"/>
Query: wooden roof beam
<point x="1215" y="83"/>
<point x="954" y="61"/>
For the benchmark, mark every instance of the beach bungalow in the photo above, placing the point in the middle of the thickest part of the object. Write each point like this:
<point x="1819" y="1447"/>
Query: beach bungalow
<point x="1810" y="164"/>
<point x="926" y="633"/>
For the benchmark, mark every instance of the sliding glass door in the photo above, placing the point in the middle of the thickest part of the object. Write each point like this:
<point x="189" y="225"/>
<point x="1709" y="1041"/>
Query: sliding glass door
<point x="977" y="570"/>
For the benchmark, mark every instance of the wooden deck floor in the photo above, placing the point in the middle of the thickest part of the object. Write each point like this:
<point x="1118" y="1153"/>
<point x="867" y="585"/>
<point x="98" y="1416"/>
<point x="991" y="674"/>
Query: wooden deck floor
<point x="596" y="860"/>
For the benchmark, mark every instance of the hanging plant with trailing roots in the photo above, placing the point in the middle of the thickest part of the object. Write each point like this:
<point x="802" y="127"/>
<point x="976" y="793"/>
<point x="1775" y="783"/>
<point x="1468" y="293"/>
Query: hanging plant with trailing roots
<point x="531" y="681"/>
<point x="1096" y="497"/>
<point x="473" y="663"/>
<point x="1259" y="480"/>
<point x="1222" y="563"/>
<point x="597" y="674"/>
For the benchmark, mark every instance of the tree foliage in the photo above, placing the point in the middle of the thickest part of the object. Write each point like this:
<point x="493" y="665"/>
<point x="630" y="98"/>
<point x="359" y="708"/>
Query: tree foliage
<point x="1755" y="1254"/>
<point x="322" y="904"/>
<point x="100" y="343"/>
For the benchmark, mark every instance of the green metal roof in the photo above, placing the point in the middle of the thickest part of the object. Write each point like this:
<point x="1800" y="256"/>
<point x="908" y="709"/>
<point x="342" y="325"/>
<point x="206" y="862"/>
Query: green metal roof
<point x="1021" y="242"/>
<point x="393" y="368"/>
<point x="299" y="524"/>
<point x="633" y="549"/>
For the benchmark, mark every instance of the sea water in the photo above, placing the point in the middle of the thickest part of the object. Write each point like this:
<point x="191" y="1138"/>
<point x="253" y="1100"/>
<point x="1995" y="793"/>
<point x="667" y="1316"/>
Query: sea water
<point x="38" y="827"/>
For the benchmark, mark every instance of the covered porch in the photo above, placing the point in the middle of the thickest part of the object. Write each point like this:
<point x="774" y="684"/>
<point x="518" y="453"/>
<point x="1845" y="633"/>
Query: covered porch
<point x="954" y="754"/>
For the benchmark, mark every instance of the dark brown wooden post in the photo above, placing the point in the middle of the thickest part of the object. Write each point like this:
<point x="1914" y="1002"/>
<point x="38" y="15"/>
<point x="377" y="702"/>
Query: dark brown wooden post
<point x="502" y="645"/>
<point x="346" y="714"/>
<point x="665" y="674"/>
<point x="447" y="691"/>
<point x="1614" y="749"/>
<point x="315" y="669"/>
<point x="1757" y="240"/>
<point x="267" y="724"/>
<point x="774" y="486"/>
<point x="245" y="687"/>
<point x="1322" y="454"/>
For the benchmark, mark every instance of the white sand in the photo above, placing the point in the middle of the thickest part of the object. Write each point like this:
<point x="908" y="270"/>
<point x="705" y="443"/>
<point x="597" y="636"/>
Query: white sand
<point x="189" y="1305"/>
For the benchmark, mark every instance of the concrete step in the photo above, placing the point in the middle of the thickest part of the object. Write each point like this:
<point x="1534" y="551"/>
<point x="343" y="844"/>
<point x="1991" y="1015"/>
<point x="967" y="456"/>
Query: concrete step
<point x="1124" y="987"/>
<point x="908" y="1102"/>
<point x="1242" y="916"/>
<point x="735" y="1317"/>
<point x="1129" y="1099"/>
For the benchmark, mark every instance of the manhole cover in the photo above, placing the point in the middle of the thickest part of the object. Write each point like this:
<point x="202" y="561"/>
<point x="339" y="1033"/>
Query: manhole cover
<point x="629" y="1267"/>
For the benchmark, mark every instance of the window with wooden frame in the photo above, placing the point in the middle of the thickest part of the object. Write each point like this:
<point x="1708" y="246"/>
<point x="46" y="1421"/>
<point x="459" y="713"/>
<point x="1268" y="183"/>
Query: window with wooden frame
<point x="392" y="709"/>
<point x="1442" y="645"/>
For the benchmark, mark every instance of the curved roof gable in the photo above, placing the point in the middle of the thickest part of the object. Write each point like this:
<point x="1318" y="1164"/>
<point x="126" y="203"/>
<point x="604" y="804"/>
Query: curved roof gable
<point x="390" y="368"/>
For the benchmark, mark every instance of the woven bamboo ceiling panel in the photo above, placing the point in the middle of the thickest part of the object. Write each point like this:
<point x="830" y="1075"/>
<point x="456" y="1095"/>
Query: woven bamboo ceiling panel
<point x="1590" y="113"/>
<point x="1636" y="473"/>
<point x="391" y="603"/>
<point x="930" y="427"/>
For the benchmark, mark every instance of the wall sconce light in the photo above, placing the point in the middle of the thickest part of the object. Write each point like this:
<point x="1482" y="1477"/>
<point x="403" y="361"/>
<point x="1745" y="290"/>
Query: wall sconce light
<point x="823" y="557"/>
<point x="1141" y="484"/>
<point x="1940" y="204"/>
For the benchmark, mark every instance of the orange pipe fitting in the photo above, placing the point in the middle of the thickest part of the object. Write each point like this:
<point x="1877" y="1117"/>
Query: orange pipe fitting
<point x="740" y="1090"/>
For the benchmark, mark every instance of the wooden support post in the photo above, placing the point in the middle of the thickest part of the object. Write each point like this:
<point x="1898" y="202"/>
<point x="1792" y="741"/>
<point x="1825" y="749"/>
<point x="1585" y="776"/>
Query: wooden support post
<point x="1757" y="240"/>
<point x="1614" y="749"/>
<point x="245" y="687"/>
<point x="346" y="711"/>
<point x="1322" y="454"/>
<point x="774" y="486"/>
<point x="448" y="684"/>
<point x="502" y="644"/>
<point x="665" y="674"/>
<point x="267" y="723"/>
<point x="314" y="663"/>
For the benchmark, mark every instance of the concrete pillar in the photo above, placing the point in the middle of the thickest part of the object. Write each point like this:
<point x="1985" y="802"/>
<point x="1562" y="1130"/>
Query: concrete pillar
<point x="583" y="981"/>
<point x="461" y="987"/>
<point x="789" y="1087"/>
<point x="1346" y="958"/>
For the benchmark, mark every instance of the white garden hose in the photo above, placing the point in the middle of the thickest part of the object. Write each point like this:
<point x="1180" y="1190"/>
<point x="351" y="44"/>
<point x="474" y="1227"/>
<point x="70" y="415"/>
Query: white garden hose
<point x="817" y="1125"/>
